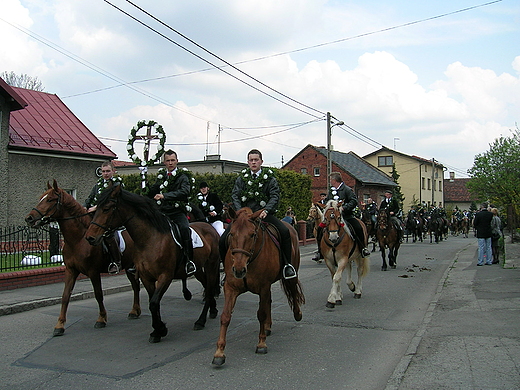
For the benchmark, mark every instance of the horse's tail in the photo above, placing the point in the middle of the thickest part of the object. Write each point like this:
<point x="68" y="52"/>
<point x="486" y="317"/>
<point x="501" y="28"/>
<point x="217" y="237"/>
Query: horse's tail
<point x="364" y="266"/>
<point x="293" y="291"/>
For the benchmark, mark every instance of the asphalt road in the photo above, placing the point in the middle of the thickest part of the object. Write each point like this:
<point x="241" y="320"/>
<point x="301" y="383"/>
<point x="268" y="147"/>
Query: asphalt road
<point x="357" y="345"/>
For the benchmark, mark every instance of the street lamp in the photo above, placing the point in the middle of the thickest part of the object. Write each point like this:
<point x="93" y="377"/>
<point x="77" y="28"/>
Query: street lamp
<point x="329" y="147"/>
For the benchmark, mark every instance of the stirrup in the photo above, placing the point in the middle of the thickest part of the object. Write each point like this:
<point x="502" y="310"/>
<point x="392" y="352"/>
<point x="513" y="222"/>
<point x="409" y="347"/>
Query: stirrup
<point x="190" y="268"/>
<point x="289" y="272"/>
<point x="113" y="268"/>
<point x="365" y="252"/>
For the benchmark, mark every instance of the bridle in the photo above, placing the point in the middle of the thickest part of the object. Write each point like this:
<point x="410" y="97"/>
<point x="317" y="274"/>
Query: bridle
<point x="251" y="254"/>
<point x="108" y="230"/>
<point x="44" y="218"/>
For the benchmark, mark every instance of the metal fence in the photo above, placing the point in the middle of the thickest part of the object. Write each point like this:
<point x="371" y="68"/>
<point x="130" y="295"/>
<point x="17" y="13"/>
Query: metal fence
<point x="22" y="248"/>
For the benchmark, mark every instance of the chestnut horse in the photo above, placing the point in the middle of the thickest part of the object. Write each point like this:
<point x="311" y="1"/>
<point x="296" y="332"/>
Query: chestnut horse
<point x="252" y="264"/>
<point x="157" y="255"/>
<point x="339" y="250"/>
<point x="79" y="257"/>
<point x="388" y="237"/>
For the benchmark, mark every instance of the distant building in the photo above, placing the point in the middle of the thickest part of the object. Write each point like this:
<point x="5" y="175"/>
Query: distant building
<point x="42" y="140"/>
<point x="456" y="193"/>
<point x="211" y="164"/>
<point x="420" y="179"/>
<point x="366" y="180"/>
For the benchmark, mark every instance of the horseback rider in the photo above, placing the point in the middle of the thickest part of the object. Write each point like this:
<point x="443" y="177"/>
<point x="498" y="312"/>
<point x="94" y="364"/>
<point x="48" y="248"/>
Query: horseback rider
<point x="391" y="205"/>
<point x="371" y="207"/>
<point x="258" y="189"/>
<point x="109" y="240"/>
<point x="172" y="191"/>
<point x="211" y="206"/>
<point x="340" y="191"/>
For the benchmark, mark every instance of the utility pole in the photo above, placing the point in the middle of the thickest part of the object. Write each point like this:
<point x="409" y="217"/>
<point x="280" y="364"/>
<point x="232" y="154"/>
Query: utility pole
<point x="330" y="125"/>
<point x="433" y="180"/>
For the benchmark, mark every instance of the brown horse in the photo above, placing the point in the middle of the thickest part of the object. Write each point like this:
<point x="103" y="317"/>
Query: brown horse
<point x="79" y="257"/>
<point x="314" y="216"/>
<point x="371" y="227"/>
<point x="340" y="250"/>
<point x="157" y="256"/>
<point x="388" y="237"/>
<point x="252" y="264"/>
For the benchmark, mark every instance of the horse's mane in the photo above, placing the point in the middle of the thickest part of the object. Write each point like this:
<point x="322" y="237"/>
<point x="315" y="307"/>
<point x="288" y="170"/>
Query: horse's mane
<point x="74" y="208"/>
<point x="242" y="218"/>
<point x="145" y="208"/>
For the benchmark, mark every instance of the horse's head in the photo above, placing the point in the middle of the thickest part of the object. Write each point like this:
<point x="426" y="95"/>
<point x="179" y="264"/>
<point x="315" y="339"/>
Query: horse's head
<point x="315" y="213"/>
<point x="47" y="208"/>
<point x="242" y="239"/>
<point x="332" y="220"/>
<point x="106" y="217"/>
<point x="382" y="219"/>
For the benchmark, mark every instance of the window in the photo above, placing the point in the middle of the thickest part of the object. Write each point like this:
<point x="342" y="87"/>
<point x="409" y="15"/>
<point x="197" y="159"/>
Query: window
<point x="423" y="183"/>
<point x="440" y="185"/>
<point x="316" y="171"/>
<point x="385" y="161"/>
<point x="71" y="192"/>
<point x="303" y="171"/>
<point x="429" y="184"/>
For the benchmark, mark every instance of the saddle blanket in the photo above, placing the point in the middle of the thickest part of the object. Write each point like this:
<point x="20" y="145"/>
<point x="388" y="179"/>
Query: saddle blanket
<point x="195" y="239"/>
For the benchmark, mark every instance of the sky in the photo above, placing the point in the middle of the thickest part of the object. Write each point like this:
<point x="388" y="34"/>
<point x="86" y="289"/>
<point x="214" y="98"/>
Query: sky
<point x="435" y="79"/>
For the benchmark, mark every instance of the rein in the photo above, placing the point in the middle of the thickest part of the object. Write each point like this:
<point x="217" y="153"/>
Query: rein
<point x="107" y="229"/>
<point x="252" y="255"/>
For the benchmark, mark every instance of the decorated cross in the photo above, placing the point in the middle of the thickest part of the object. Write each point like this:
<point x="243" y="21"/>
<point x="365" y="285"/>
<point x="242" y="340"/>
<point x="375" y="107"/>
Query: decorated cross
<point x="147" y="138"/>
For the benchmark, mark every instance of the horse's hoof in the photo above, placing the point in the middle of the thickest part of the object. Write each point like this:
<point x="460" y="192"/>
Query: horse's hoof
<point x="58" y="332"/>
<point x="330" y="305"/>
<point x="197" y="326"/>
<point x="187" y="295"/>
<point x="261" y="351"/>
<point x="213" y="313"/>
<point x="133" y="316"/>
<point x="393" y="266"/>
<point x="357" y="296"/>
<point x="383" y="268"/>
<point x="339" y="302"/>
<point x="298" y="316"/>
<point x="99" y="325"/>
<point x="218" y="361"/>
<point x="154" y="339"/>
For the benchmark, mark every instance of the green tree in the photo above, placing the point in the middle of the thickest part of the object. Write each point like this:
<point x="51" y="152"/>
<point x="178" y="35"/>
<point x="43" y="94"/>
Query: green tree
<point x="398" y="195"/>
<point x="495" y="175"/>
<point x="22" y="81"/>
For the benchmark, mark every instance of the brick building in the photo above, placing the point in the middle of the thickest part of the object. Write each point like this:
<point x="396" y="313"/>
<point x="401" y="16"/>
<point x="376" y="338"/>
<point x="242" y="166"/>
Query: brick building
<point x="456" y="193"/>
<point x="366" y="180"/>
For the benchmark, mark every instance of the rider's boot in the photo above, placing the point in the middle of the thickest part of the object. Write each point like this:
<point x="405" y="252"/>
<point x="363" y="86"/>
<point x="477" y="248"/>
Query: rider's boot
<point x="188" y="257"/>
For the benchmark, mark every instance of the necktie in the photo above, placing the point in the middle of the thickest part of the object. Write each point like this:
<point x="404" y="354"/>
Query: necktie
<point x="255" y="176"/>
<point x="169" y="173"/>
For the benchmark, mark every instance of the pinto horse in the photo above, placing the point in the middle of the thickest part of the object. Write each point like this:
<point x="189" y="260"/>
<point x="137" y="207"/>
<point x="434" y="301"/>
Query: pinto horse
<point x="253" y="264"/>
<point x="340" y="250"/>
<point x="388" y="237"/>
<point x="79" y="257"/>
<point x="157" y="255"/>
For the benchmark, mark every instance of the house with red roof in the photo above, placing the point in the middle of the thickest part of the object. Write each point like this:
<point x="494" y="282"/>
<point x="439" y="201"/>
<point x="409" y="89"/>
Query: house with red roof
<point x="456" y="194"/>
<point x="41" y="140"/>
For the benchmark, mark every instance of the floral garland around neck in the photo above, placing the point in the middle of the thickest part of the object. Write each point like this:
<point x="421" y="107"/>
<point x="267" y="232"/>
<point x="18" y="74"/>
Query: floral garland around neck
<point x="167" y="184"/>
<point x="102" y="185"/>
<point x="205" y="206"/>
<point x="253" y="189"/>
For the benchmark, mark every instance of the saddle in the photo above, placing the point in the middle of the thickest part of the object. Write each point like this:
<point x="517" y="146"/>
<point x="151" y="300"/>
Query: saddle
<point x="176" y="235"/>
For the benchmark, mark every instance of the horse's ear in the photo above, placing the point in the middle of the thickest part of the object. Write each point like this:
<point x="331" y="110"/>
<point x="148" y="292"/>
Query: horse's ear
<point x="55" y="185"/>
<point x="48" y="186"/>
<point x="256" y="214"/>
<point x="319" y="211"/>
<point x="232" y="213"/>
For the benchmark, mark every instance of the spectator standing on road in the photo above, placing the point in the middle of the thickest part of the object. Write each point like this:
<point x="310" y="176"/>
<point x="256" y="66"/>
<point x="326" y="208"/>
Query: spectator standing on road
<point x="496" y="233"/>
<point x="482" y="224"/>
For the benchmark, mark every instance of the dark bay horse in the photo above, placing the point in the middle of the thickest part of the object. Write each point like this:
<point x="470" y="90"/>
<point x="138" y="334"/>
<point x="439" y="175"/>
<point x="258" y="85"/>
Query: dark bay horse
<point x="252" y="264"/>
<point x="388" y="237"/>
<point x="79" y="257"/>
<point x="157" y="256"/>
<point x="340" y="250"/>
<point x="371" y="227"/>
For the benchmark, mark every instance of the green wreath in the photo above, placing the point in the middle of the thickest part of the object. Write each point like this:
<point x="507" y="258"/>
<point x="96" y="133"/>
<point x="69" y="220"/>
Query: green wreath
<point x="132" y="137"/>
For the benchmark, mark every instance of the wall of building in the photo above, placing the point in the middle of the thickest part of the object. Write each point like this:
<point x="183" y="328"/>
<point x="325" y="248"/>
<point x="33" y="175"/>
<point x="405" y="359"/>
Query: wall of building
<point x="28" y="176"/>
<point x="4" y="162"/>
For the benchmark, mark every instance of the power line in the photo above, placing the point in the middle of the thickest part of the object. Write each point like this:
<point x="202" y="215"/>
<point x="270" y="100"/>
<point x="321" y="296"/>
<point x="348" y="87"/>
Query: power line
<point x="207" y="61"/>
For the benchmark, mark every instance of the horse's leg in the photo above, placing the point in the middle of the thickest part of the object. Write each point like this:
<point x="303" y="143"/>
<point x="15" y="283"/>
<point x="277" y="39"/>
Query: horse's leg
<point x="159" y="327"/>
<point x="350" y="283"/>
<point x="101" y="322"/>
<point x="335" y="295"/>
<point x="70" y="281"/>
<point x="383" y="255"/>
<point x="391" y="255"/>
<point x="264" y="317"/>
<point x="136" y="287"/>
<point x="230" y="297"/>
<point x="185" y="292"/>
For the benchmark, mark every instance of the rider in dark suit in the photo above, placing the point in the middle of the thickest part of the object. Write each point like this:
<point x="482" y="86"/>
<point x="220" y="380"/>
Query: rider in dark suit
<point x="391" y="205"/>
